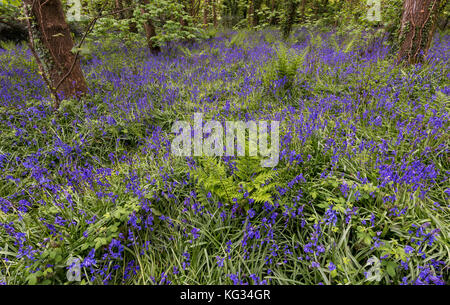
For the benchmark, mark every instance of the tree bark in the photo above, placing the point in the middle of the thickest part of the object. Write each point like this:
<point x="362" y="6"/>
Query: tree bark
<point x="302" y="10"/>
<point x="273" y="9"/>
<point x="194" y="8"/>
<point x="56" y="44"/>
<point x="206" y="12"/>
<point x="417" y="28"/>
<point x="150" y="32"/>
<point x="119" y="7"/>
<point x="290" y="18"/>
<point x="256" y="7"/>
<point x="214" y="12"/>
<point x="251" y="13"/>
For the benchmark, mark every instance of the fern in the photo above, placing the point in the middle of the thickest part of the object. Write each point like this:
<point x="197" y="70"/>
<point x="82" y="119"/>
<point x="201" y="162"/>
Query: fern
<point x="285" y="67"/>
<point x="249" y="178"/>
<point x="351" y="44"/>
<point x="186" y="52"/>
<point x="238" y="40"/>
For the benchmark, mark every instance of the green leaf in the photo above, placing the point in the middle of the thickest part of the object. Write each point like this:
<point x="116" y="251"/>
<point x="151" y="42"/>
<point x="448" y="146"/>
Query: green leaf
<point x="390" y="268"/>
<point x="32" y="279"/>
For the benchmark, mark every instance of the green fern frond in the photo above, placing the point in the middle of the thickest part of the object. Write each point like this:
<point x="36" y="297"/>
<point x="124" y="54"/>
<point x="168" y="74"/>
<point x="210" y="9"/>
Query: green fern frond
<point x="212" y="177"/>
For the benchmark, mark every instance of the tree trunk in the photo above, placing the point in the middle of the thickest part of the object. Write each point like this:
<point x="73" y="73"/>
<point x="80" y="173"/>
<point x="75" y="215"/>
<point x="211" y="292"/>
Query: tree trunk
<point x="150" y="32"/>
<point x="194" y="8"/>
<point x="446" y="22"/>
<point x="256" y="7"/>
<point x="290" y="18"/>
<point x="273" y="9"/>
<point x="214" y="12"/>
<point x="251" y="13"/>
<point x="56" y="44"/>
<point x="302" y="9"/>
<point x="119" y="7"/>
<point x="417" y="28"/>
<point x="206" y="12"/>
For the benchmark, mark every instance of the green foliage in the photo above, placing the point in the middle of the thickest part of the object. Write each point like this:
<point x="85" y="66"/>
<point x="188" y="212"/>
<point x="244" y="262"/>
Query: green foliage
<point x="266" y="16"/>
<point x="284" y="67"/>
<point x="288" y="18"/>
<point x="169" y="17"/>
<point x="238" y="40"/>
<point x="173" y="194"/>
<point x="391" y="15"/>
<point x="9" y="9"/>
<point x="166" y="16"/>
<point x="9" y="3"/>
<point x="248" y="181"/>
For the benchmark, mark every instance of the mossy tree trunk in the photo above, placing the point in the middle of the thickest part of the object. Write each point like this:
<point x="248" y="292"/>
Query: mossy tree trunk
<point x="54" y="43"/>
<point x="418" y="25"/>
